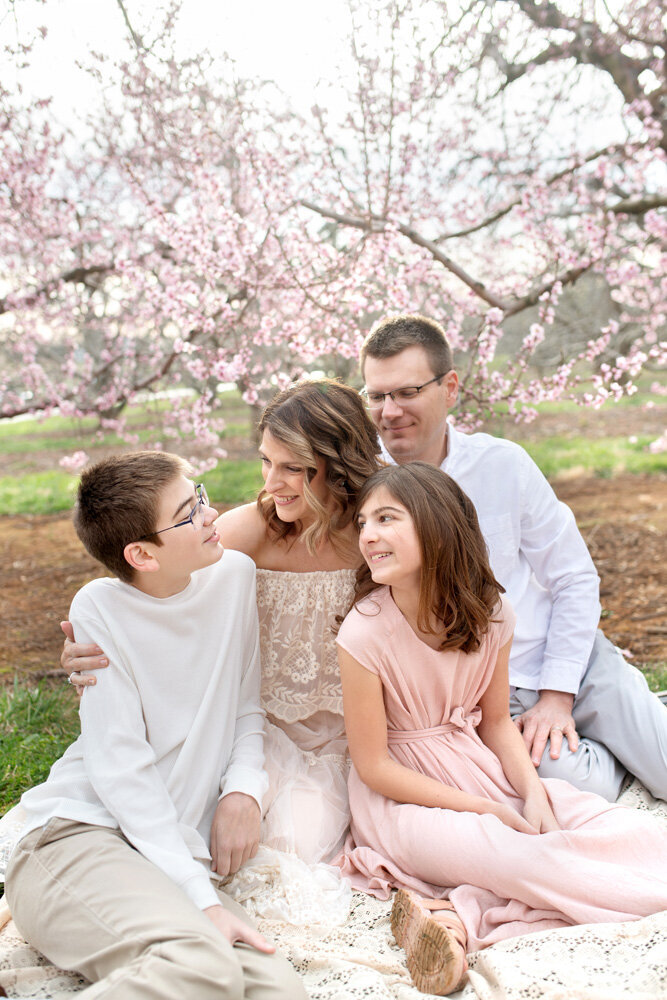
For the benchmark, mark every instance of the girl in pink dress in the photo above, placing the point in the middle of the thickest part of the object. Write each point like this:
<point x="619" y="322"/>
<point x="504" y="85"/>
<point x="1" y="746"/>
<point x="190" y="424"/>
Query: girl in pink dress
<point x="446" y="804"/>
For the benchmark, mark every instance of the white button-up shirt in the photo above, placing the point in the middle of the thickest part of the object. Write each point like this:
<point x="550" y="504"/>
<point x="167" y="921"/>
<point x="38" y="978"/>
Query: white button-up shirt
<point x="538" y="555"/>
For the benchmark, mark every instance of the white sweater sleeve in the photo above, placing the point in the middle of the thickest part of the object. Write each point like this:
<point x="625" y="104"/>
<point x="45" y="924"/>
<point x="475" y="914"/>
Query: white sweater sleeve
<point x="245" y="771"/>
<point x="120" y="764"/>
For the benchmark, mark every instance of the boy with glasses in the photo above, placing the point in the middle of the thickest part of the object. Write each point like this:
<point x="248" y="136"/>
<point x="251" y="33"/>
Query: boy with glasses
<point x="111" y="877"/>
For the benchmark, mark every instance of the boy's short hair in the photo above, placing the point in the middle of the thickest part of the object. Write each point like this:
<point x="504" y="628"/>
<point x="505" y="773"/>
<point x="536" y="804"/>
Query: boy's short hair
<point x="393" y="334"/>
<point x="117" y="503"/>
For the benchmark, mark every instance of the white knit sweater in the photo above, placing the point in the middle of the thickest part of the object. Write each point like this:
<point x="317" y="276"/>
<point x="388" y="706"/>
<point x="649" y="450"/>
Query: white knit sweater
<point x="173" y="723"/>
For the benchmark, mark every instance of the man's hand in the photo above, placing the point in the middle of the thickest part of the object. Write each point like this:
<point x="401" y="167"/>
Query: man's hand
<point x="235" y="929"/>
<point x="550" y="718"/>
<point x="234" y="832"/>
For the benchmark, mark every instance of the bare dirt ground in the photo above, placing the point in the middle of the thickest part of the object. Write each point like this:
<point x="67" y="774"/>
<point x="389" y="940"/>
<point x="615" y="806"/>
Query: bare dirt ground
<point x="623" y="519"/>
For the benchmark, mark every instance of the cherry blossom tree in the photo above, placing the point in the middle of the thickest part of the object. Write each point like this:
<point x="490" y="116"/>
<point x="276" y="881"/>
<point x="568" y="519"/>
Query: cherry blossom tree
<point x="503" y="151"/>
<point x="475" y="161"/>
<point x="142" y="256"/>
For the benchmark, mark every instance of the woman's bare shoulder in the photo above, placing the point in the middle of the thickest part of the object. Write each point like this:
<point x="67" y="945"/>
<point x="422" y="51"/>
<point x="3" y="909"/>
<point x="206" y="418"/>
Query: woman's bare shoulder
<point x="243" y="528"/>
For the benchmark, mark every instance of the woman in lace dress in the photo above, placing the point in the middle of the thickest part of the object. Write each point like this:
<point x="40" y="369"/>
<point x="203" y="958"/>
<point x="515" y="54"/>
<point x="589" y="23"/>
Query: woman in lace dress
<point x="317" y="448"/>
<point x="445" y="800"/>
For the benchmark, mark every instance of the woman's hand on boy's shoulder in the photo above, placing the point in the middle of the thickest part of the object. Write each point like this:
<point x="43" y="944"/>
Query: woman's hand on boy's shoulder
<point x="80" y="656"/>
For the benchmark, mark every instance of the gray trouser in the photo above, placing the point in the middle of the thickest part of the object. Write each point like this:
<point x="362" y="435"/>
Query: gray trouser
<point x="622" y="727"/>
<point x="87" y="900"/>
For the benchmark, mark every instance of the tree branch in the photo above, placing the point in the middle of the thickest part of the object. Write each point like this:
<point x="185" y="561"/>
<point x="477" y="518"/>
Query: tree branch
<point x="375" y="224"/>
<point x="133" y="35"/>
<point x="76" y="275"/>
<point x="638" y="206"/>
<point x="588" y="45"/>
<point x="507" y="208"/>
<point x="532" y="298"/>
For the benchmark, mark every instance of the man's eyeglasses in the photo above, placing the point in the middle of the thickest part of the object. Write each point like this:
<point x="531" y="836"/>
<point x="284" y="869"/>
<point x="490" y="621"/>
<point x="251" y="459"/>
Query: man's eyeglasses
<point x="195" y="514"/>
<point x="375" y="400"/>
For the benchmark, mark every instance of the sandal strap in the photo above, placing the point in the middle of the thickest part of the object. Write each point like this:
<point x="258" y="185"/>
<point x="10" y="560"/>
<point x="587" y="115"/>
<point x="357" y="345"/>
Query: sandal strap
<point x="444" y="913"/>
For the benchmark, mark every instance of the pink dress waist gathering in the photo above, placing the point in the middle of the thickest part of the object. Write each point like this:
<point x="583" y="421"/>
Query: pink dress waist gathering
<point x="458" y="721"/>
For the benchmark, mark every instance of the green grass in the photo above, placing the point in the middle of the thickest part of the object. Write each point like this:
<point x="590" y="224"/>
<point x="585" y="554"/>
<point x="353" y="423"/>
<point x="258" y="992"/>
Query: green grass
<point x="599" y="456"/>
<point x="234" y="482"/>
<point x="65" y="445"/>
<point x="656" y="675"/>
<point x="37" y="724"/>
<point x="21" y="429"/>
<point x="64" y="435"/>
<point x="230" y="407"/>
<point x="570" y="406"/>
<point x="230" y="483"/>
<point x="29" y="436"/>
<point x="237" y="481"/>
<point x="37" y="492"/>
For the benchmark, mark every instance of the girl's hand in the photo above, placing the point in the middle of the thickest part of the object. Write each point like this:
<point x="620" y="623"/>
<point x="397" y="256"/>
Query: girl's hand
<point x="510" y="817"/>
<point x="539" y="813"/>
<point x="77" y="656"/>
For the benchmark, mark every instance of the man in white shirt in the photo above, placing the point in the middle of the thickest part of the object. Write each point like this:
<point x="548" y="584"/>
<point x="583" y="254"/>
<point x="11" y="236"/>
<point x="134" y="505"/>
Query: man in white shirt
<point x="585" y="713"/>
<point x="111" y="877"/>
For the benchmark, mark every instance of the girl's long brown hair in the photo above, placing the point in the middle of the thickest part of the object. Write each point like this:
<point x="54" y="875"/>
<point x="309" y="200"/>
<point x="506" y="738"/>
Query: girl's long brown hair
<point x="457" y="587"/>
<point x="322" y="419"/>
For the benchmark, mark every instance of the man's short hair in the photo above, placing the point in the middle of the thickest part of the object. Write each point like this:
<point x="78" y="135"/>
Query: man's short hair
<point x="391" y="335"/>
<point x="118" y="500"/>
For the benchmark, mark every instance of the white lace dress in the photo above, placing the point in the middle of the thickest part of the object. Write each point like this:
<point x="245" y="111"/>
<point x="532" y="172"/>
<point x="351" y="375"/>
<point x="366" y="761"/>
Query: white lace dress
<point x="307" y="809"/>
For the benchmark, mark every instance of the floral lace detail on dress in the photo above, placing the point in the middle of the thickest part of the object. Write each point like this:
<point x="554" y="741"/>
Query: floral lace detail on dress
<point x="299" y="664"/>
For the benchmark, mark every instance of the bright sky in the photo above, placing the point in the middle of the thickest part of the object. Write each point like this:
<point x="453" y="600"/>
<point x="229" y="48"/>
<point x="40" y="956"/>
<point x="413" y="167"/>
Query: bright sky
<point x="294" y="42"/>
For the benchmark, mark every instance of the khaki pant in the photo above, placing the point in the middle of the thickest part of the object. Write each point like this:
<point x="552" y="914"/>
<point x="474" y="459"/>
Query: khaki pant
<point x="87" y="900"/>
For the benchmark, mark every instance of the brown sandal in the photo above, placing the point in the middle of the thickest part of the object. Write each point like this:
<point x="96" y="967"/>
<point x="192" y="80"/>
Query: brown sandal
<point x="435" y="946"/>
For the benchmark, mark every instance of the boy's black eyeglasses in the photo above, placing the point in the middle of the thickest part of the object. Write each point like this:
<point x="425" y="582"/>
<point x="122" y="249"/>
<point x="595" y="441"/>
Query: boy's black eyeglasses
<point x="202" y="501"/>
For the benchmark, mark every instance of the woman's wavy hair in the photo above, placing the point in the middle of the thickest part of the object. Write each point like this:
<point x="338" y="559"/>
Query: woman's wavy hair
<point x="322" y="419"/>
<point x="457" y="586"/>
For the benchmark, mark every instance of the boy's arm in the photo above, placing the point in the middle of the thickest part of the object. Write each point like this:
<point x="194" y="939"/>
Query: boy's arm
<point x="120" y="764"/>
<point x="236" y="824"/>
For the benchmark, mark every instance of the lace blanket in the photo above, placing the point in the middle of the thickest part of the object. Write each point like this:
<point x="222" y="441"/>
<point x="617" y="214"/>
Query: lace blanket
<point x="358" y="959"/>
